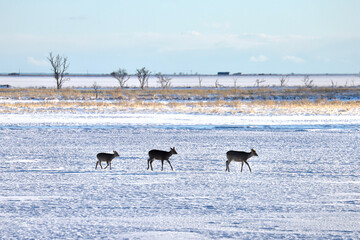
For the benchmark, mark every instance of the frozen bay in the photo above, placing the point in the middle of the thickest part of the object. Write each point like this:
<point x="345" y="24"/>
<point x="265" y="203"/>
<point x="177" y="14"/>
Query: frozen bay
<point x="305" y="182"/>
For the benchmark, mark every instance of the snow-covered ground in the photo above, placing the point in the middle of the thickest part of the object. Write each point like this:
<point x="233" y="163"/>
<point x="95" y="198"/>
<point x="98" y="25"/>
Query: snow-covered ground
<point x="187" y="81"/>
<point x="304" y="184"/>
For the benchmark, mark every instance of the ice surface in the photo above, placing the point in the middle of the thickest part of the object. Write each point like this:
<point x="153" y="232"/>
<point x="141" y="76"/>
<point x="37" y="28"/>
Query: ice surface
<point x="305" y="182"/>
<point x="184" y="81"/>
<point x="183" y="121"/>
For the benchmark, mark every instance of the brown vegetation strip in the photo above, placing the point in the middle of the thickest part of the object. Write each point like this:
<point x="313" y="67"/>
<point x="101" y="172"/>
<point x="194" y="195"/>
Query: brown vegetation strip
<point x="209" y="101"/>
<point x="248" y="94"/>
<point x="210" y="107"/>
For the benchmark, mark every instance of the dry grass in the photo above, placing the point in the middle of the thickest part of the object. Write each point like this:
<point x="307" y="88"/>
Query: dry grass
<point x="176" y="94"/>
<point x="214" y="107"/>
<point x="208" y="101"/>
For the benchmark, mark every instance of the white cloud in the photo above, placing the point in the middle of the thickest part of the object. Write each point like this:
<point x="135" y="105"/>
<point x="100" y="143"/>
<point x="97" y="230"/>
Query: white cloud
<point x="194" y="33"/>
<point x="260" y="58"/>
<point x="266" y="38"/>
<point x="293" y="59"/>
<point x="36" y="62"/>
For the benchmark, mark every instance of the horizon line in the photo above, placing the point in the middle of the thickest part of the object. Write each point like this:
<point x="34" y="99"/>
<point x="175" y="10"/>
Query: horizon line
<point x="14" y="74"/>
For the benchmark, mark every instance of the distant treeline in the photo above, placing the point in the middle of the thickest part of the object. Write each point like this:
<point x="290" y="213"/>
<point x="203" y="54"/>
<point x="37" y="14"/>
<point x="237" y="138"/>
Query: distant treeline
<point x="189" y="75"/>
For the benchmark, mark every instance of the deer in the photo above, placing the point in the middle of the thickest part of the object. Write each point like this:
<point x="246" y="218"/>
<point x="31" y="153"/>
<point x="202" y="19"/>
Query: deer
<point x="160" y="155"/>
<point x="105" y="157"/>
<point x="239" y="157"/>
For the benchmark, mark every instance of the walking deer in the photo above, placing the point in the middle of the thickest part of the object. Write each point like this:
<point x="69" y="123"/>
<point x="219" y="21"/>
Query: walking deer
<point x="160" y="155"/>
<point x="239" y="157"/>
<point x="105" y="157"/>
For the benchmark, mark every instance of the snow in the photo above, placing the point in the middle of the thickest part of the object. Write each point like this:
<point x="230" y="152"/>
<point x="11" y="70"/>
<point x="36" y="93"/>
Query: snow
<point x="305" y="182"/>
<point x="186" y="81"/>
<point x="184" y="121"/>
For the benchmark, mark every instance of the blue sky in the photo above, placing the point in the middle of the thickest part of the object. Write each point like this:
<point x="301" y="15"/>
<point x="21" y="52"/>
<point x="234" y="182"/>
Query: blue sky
<point x="190" y="36"/>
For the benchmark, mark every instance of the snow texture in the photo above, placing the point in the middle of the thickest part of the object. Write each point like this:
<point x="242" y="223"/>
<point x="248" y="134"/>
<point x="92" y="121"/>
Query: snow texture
<point x="187" y="81"/>
<point x="305" y="182"/>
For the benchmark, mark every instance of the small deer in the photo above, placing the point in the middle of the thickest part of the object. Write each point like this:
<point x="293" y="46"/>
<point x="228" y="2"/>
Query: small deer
<point x="105" y="157"/>
<point x="160" y="155"/>
<point x="239" y="157"/>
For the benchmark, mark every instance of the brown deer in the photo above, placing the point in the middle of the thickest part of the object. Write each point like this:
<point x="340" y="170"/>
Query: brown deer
<point x="239" y="157"/>
<point x="160" y="155"/>
<point x="105" y="157"/>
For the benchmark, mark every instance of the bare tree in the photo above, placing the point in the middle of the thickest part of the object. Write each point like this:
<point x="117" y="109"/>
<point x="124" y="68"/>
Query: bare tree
<point x="121" y="76"/>
<point x="307" y="82"/>
<point x="235" y="84"/>
<point x="143" y="77"/>
<point x="59" y="65"/>
<point x="284" y="80"/>
<point x="333" y="84"/>
<point x="217" y="84"/>
<point x="258" y="81"/>
<point x="96" y="89"/>
<point x="200" y="81"/>
<point x="164" y="82"/>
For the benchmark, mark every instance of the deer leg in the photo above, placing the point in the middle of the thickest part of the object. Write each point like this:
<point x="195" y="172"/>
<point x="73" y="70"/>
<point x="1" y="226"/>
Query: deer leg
<point x="151" y="161"/>
<point x="227" y="166"/>
<point x="107" y="164"/>
<point x="170" y="165"/>
<point x="162" y="165"/>
<point x="148" y="164"/>
<point x="96" y="164"/>
<point x="100" y="164"/>
<point x="242" y="164"/>
<point x="248" y="165"/>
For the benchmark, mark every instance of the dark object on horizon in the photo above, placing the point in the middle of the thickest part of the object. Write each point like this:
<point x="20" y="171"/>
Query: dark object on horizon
<point x="236" y="74"/>
<point x="223" y="73"/>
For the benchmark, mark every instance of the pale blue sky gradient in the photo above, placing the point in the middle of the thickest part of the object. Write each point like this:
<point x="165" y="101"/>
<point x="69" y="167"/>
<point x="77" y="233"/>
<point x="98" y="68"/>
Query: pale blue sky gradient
<point x="202" y="36"/>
